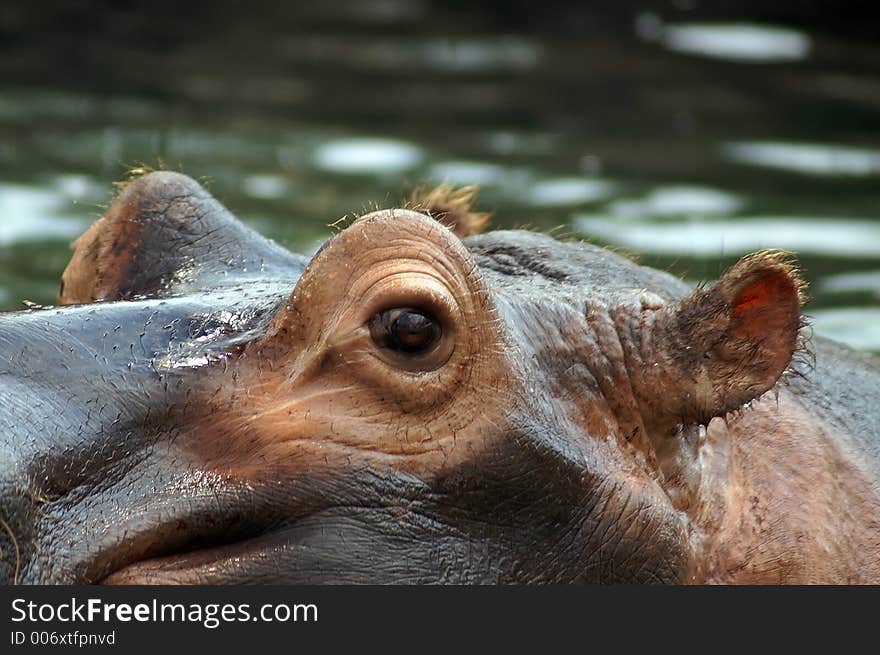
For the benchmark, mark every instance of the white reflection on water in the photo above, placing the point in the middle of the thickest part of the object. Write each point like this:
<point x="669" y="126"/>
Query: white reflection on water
<point x="79" y="187"/>
<point x="808" y="158"/>
<point x="267" y="187"/>
<point x="477" y="172"/>
<point x="563" y="191"/>
<point x="858" y="327"/>
<point x="851" y="283"/>
<point x="367" y="156"/>
<point x="478" y="55"/>
<point x="419" y="53"/>
<point x="34" y="213"/>
<point x="679" y="201"/>
<point x="737" y="42"/>
<point x="841" y="237"/>
<point x="507" y="143"/>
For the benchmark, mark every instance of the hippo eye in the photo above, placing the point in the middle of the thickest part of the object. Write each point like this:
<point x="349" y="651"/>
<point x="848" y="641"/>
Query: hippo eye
<point x="405" y="330"/>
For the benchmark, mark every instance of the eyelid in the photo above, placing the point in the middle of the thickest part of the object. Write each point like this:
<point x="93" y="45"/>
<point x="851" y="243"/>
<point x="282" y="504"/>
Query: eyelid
<point x="423" y="293"/>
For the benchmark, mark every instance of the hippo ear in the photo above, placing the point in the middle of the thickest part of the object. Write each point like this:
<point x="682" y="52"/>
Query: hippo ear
<point x="728" y="343"/>
<point x="163" y="235"/>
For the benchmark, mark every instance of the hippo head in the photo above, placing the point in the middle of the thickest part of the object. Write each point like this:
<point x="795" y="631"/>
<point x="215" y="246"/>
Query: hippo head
<point x="407" y="405"/>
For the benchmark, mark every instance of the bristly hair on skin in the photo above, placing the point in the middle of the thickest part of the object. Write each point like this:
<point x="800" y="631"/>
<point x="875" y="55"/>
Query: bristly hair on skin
<point x="803" y="360"/>
<point x="133" y="173"/>
<point x="451" y="206"/>
<point x="780" y="259"/>
<point x="139" y="169"/>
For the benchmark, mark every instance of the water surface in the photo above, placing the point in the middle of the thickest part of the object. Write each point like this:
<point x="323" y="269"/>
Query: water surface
<point x="685" y="136"/>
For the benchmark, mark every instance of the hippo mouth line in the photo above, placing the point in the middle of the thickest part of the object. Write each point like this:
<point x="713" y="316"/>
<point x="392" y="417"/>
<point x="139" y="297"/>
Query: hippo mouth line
<point x="227" y="561"/>
<point x="218" y="556"/>
<point x="220" y="529"/>
<point x="247" y="555"/>
<point x="333" y="543"/>
<point x="217" y="547"/>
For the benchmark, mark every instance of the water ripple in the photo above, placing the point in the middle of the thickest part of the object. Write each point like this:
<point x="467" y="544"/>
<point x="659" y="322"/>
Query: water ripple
<point x="371" y="156"/>
<point x="806" y="158"/>
<point x="34" y="213"/>
<point x="858" y="327"/>
<point x="743" y="42"/>
<point x="842" y="237"/>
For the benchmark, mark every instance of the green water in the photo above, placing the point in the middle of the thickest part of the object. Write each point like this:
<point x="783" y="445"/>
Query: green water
<point x="687" y="138"/>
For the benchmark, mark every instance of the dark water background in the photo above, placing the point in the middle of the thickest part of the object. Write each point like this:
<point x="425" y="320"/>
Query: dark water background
<point x="687" y="132"/>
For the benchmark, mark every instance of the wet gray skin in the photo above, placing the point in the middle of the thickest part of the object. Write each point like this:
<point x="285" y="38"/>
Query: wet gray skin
<point x="99" y="402"/>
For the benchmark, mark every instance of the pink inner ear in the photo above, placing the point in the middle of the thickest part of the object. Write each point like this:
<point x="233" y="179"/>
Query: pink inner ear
<point x="769" y="303"/>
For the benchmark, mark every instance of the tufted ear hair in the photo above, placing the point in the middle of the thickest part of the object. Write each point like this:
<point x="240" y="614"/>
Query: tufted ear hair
<point x="724" y="345"/>
<point x="451" y="206"/>
<point x="165" y="234"/>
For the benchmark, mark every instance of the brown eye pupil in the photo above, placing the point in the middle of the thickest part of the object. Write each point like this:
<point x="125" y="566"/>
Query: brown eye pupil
<point x="405" y="330"/>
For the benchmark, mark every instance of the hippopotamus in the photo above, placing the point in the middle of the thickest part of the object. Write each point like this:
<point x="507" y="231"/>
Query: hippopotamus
<point x="423" y="401"/>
